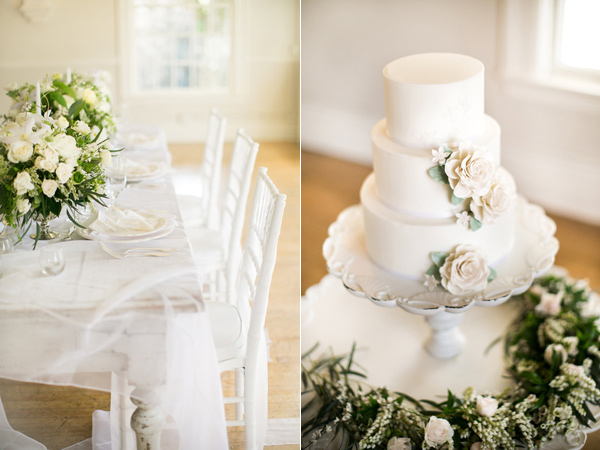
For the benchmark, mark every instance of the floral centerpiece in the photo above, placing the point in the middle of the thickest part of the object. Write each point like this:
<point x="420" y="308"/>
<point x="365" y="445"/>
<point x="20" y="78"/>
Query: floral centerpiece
<point x="553" y="357"/>
<point x="81" y="98"/>
<point x="47" y="164"/>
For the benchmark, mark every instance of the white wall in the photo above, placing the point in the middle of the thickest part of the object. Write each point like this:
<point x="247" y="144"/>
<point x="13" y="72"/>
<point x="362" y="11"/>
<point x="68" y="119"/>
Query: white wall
<point x="550" y="141"/>
<point x="89" y="34"/>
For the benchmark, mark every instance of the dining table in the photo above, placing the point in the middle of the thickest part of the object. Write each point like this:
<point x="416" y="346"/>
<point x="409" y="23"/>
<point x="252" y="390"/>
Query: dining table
<point x="133" y="324"/>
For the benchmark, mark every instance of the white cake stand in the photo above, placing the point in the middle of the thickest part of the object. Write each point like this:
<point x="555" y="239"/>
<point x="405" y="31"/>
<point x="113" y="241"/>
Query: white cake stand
<point x="532" y="254"/>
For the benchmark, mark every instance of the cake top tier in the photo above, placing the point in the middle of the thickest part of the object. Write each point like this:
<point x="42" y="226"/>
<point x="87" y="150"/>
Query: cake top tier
<point x="433" y="99"/>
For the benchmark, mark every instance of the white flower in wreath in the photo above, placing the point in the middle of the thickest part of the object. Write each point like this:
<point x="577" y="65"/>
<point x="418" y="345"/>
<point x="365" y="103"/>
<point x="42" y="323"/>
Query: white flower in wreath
<point x="555" y="348"/>
<point x="65" y="145"/>
<point x="438" y="432"/>
<point x="571" y="343"/>
<point x="45" y="164"/>
<point x="63" y="172"/>
<point x="22" y="183"/>
<point x="574" y="370"/>
<point x="430" y="282"/>
<point x="82" y="127"/>
<point x="397" y="443"/>
<point x="465" y="270"/>
<point x="19" y="151"/>
<point x="62" y="123"/>
<point x="106" y="158"/>
<point x="439" y="155"/>
<point x="49" y="188"/>
<point x="488" y="207"/>
<point x="591" y="308"/>
<point x="23" y="205"/>
<point x="486" y="406"/>
<point x="463" y="218"/>
<point x="89" y="96"/>
<point x="470" y="170"/>
<point x="550" y="304"/>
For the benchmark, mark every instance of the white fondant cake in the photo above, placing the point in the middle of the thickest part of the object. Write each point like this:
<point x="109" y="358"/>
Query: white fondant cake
<point x="437" y="183"/>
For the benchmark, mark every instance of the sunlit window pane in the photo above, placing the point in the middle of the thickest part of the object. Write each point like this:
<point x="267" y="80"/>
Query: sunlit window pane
<point x="182" y="44"/>
<point x="580" y="40"/>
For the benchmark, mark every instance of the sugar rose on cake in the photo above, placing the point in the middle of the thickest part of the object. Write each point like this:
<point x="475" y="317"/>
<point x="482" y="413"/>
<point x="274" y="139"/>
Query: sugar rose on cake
<point x="465" y="270"/>
<point x="470" y="170"/>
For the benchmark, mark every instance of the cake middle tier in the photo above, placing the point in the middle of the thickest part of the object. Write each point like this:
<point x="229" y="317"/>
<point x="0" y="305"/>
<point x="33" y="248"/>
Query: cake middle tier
<point x="402" y="178"/>
<point x="402" y="243"/>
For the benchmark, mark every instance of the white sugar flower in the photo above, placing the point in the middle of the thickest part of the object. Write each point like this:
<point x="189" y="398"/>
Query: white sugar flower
<point x="497" y="201"/>
<point x="552" y="349"/>
<point x="439" y="155"/>
<point x="465" y="270"/>
<point x="486" y="406"/>
<point x="430" y="282"/>
<point x="82" y="127"/>
<point x="550" y="303"/>
<point x="463" y="218"/>
<point x="397" y="443"/>
<point x="23" y="205"/>
<point x="49" y="187"/>
<point x="438" y="432"/>
<point x="22" y="183"/>
<point x="470" y="170"/>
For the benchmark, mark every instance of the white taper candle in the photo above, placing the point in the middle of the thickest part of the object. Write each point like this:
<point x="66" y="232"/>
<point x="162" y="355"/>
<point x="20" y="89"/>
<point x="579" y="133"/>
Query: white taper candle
<point x="38" y="98"/>
<point x="68" y="79"/>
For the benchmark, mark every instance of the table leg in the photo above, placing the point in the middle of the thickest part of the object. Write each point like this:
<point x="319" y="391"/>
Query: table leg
<point x="147" y="420"/>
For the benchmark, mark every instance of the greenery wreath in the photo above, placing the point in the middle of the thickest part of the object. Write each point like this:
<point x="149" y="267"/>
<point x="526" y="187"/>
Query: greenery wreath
<point x="552" y="355"/>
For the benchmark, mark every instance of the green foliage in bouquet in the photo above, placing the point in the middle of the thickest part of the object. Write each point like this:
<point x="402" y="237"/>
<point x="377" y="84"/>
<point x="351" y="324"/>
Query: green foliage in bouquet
<point x="82" y="99"/>
<point x="553" y="359"/>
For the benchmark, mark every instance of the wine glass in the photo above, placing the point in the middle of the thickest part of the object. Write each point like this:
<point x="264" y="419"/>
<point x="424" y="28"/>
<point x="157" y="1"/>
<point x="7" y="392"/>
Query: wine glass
<point x="116" y="177"/>
<point x="52" y="260"/>
<point x="6" y="245"/>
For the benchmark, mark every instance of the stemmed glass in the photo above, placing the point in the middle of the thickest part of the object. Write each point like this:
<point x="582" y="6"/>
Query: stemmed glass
<point x="6" y="245"/>
<point x="52" y="260"/>
<point x="116" y="177"/>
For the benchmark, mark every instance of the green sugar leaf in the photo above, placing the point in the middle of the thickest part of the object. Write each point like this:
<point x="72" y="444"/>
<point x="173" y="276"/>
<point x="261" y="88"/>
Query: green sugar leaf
<point x="439" y="258"/>
<point x="492" y="276"/>
<point x="438" y="174"/>
<point x="456" y="200"/>
<point x="435" y="271"/>
<point x="475" y="224"/>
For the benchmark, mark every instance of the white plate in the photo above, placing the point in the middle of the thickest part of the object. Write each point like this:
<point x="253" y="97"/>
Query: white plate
<point x="144" y="171"/>
<point x="532" y="254"/>
<point x="92" y="235"/>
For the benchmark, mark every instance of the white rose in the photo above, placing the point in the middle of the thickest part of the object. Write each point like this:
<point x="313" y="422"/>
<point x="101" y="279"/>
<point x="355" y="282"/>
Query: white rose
<point x="89" y="97"/>
<point x="488" y="207"/>
<point x="106" y="158"/>
<point x="49" y="187"/>
<point x="45" y="164"/>
<point x="62" y="123"/>
<point x="19" y="151"/>
<point x="11" y="86"/>
<point x="438" y="432"/>
<point x="465" y="270"/>
<point x="50" y="154"/>
<point x="71" y="162"/>
<point x="571" y="343"/>
<point x="470" y="170"/>
<point x="22" y="183"/>
<point x="65" y="145"/>
<point x="549" y="303"/>
<point x="572" y="369"/>
<point x="537" y="290"/>
<point x="82" y="127"/>
<point x="23" y="205"/>
<point x="397" y="443"/>
<point x="555" y="348"/>
<point x="486" y="406"/>
<point x="63" y="172"/>
<point x="591" y="308"/>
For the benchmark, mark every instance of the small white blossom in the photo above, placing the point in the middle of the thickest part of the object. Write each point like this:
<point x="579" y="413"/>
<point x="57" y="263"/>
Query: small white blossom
<point x="430" y="282"/>
<point x="439" y="155"/>
<point x="463" y="218"/>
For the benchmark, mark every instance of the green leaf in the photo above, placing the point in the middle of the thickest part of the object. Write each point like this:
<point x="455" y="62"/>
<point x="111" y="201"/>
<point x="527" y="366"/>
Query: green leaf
<point x="447" y="149"/>
<point x="63" y="87"/>
<point x="475" y="224"/>
<point x="492" y="276"/>
<point x="456" y="200"/>
<point x="75" y="108"/>
<point x="438" y="258"/>
<point x="435" y="271"/>
<point x="438" y="174"/>
<point x="58" y="98"/>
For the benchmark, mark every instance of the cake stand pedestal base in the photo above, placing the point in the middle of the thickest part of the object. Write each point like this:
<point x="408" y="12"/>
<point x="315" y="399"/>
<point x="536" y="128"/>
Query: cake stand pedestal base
<point x="446" y="340"/>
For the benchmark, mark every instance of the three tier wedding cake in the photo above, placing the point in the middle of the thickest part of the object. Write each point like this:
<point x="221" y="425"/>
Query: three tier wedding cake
<point x="438" y="206"/>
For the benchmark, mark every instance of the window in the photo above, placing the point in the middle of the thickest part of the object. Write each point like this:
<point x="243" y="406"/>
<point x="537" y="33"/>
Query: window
<point x="578" y="34"/>
<point x="182" y="45"/>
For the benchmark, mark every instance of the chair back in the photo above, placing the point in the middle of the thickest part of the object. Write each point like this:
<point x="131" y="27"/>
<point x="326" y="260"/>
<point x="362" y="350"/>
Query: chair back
<point x="233" y="206"/>
<point x="211" y="168"/>
<point x="258" y="257"/>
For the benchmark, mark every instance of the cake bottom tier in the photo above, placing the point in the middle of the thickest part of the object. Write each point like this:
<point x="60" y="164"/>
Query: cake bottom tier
<point x="402" y="244"/>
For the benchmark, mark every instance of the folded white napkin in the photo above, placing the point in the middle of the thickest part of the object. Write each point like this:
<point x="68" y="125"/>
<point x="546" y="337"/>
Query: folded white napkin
<point x="115" y="221"/>
<point x="139" y="138"/>
<point x="138" y="169"/>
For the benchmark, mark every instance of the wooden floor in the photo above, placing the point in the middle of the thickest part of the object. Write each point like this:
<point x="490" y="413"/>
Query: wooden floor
<point x="62" y="416"/>
<point x="330" y="185"/>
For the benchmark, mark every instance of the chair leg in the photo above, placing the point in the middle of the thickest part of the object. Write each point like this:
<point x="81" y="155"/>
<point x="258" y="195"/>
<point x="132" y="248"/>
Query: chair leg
<point x="239" y="392"/>
<point x="250" y="423"/>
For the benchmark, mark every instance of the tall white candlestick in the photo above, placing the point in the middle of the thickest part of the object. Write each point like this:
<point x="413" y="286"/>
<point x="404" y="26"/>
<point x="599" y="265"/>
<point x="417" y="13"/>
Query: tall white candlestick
<point x="68" y="80"/>
<point x="38" y="98"/>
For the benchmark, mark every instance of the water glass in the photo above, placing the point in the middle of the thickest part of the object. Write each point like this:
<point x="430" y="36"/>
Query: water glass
<point x="52" y="260"/>
<point x="116" y="177"/>
<point x="6" y="245"/>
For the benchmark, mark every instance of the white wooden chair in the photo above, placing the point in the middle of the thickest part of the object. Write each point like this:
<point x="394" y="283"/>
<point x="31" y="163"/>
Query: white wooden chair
<point x="203" y="209"/>
<point x="217" y="251"/>
<point x="238" y="328"/>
